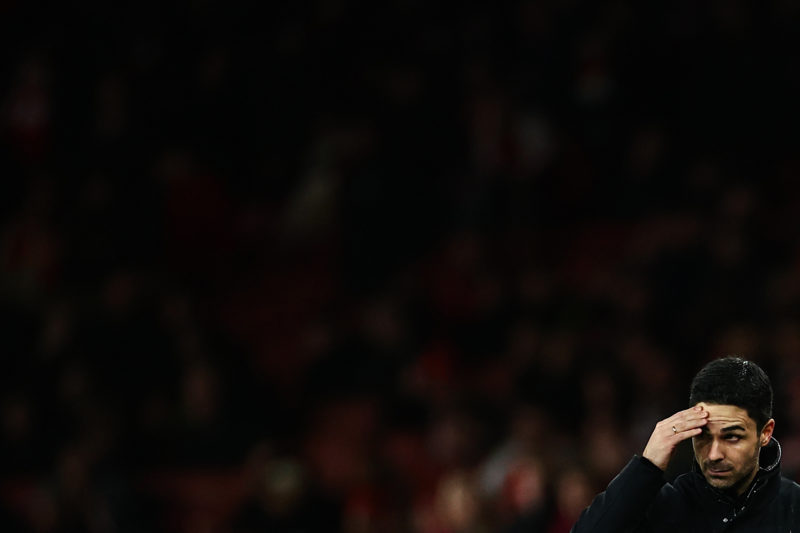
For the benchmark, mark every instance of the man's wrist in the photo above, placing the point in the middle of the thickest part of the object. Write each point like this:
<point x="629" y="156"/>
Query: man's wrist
<point x="650" y="464"/>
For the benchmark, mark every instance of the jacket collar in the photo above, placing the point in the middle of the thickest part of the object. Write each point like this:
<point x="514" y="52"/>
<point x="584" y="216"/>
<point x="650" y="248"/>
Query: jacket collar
<point x="770" y="456"/>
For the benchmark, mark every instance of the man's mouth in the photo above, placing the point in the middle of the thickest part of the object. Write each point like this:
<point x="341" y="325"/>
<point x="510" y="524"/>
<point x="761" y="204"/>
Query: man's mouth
<point x="719" y="471"/>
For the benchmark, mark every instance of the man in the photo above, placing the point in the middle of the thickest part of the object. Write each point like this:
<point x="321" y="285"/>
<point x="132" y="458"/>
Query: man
<point x="735" y="484"/>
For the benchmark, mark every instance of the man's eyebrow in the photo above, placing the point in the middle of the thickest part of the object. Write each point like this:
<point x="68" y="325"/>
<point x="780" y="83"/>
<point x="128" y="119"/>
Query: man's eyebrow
<point x="733" y="428"/>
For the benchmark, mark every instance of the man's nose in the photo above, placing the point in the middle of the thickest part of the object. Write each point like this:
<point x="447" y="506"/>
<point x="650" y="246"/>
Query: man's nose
<point x="715" y="452"/>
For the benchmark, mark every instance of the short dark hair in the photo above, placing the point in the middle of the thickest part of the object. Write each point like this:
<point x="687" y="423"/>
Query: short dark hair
<point x="734" y="381"/>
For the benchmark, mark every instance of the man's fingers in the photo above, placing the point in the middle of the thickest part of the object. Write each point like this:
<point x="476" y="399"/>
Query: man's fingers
<point x="670" y="431"/>
<point x="688" y="425"/>
<point x="687" y="434"/>
<point x="687" y="421"/>
<point x="688" y="415"/>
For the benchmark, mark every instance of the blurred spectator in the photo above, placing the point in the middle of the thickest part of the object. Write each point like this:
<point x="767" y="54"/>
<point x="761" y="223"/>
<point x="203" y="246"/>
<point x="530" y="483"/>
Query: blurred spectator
<point x="525" y="494"/>
<point x="279" y="498"/>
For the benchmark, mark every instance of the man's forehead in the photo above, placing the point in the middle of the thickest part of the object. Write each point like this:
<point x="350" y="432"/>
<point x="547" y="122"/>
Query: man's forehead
<point x="722" y="416"/>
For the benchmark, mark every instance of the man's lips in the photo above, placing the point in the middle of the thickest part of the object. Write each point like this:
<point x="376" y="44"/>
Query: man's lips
<point x="719" y="471"/>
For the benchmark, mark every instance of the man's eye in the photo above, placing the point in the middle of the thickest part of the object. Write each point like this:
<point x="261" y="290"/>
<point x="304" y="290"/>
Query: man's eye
<point x="733" y="438"/>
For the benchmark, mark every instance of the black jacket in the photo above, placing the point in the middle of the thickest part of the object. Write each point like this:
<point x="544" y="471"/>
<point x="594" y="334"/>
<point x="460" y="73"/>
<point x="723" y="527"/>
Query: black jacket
<point x="639" y="500"/>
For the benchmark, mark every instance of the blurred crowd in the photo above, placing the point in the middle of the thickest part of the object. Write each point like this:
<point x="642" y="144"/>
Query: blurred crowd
<point x="357" y="267"/>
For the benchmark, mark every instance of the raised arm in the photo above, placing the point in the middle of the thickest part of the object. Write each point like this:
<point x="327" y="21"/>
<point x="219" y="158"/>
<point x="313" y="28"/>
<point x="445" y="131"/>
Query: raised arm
<point x="622" y="507"/>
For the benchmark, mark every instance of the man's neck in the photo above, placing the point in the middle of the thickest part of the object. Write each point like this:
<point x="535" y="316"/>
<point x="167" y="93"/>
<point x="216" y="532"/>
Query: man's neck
<point x="746" y="483"/>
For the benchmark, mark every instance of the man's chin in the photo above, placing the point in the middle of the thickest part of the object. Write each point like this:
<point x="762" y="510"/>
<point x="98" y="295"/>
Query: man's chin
<point x="724" y="482"/>
<point x="721" y="483"/>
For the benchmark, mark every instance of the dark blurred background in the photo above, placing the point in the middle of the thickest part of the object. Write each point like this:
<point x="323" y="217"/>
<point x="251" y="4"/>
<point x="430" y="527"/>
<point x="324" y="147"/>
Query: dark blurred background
<point x="403" y="266"/>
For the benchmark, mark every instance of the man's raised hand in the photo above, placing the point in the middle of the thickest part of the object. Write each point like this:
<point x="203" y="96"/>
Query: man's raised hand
<point x="671" y="431"/>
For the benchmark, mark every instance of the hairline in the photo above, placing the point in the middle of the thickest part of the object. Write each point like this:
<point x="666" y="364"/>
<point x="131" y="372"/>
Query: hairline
<point x="759" y="427"/>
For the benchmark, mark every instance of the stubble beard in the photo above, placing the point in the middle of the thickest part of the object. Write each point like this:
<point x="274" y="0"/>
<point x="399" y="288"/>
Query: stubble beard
<point x="737" y="482"/>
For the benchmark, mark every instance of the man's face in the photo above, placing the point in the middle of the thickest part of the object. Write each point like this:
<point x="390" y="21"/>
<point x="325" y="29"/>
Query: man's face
<point x="727" y="450"/>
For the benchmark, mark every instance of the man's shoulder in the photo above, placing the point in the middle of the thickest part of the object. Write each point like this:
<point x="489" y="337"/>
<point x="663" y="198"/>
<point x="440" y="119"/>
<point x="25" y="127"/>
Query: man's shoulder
<point x="681" y="491"/>
<point x="790" y="487"/>
<point x="674" y="503"/>
<point x="789" y="501"/>
<point x="687" y="482"/>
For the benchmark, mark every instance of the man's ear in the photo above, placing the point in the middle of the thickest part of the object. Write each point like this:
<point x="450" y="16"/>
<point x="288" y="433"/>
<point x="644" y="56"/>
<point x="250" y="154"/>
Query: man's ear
<point x="766" y="432"/>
